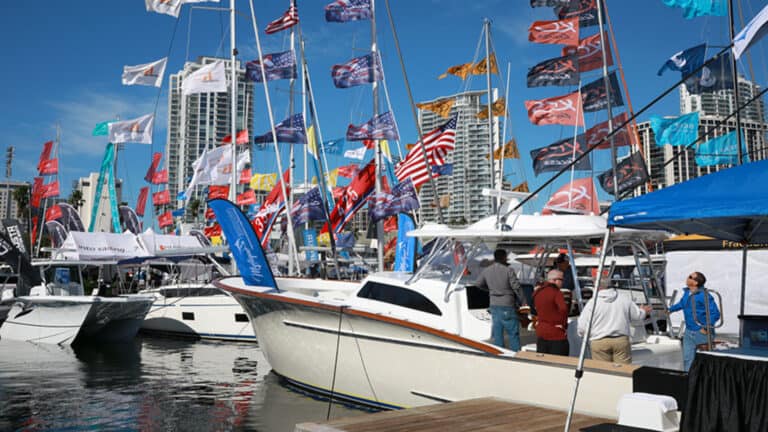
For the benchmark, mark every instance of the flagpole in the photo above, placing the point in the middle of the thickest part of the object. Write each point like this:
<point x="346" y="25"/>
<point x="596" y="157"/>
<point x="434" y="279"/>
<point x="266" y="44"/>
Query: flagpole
<point x="291" y="150"/>
<point x="233" y="103"/>
<point x="377" y="151"/>
<point x="734" y="74"/>
<point x="608" y="95"/>
<point x="487" y="28"/>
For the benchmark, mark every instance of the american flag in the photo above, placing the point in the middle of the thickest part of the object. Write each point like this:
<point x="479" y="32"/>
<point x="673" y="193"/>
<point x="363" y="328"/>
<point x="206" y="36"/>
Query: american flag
<point x="289" y="19"/>
<point x="437" y="144"/>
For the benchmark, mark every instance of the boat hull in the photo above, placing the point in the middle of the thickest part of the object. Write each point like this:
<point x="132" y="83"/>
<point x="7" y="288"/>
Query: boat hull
<point x="51" y="319"/>
<point x="114" y="319"/>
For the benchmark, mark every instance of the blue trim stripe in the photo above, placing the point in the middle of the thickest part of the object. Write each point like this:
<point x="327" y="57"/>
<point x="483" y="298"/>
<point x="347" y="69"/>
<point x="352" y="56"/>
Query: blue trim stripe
<point x="341" y="396"/>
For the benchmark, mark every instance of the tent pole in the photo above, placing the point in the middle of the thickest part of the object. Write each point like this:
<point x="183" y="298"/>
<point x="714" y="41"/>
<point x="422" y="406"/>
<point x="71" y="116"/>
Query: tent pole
<point x="743" y="289"/>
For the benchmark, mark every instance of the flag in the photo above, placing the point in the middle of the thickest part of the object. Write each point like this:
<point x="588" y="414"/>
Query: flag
<point x="440" y="170"/>
<point x="355" y="195"/>
<point x="290" y="130"/>
<point x="751" y="33"/>
<point x="559" y="71"/>
<point x="168" y="7"/>
<point x="697" y="8"/>
<point x="461" y="71"/>
<point x="45" y="154"/>
<point x="596" y="133"/>
<point x="509" y="150"/>
<point x="585" y="10"/>
<point x="549" y="3"/>
<point x="402" y="199"/>
<point x="240" y="138"/>
<point x="101" y="129"/>
<point x="562" y="110"/>
<point x="440" y="107"/>
<point x="289" y="19"/>
<point x="522" y="187"/>
<point x="218" y="191"/>
<point x="717" y="75"/>
<point x="277" y="66"/>
<point x="437" y="143"/>
<point x="49" y="167"/>
<point x="138" y="130"/>
<point x="631" y="170"/>
<point x="589" y="53"/>
<point x="348" y="171"/>
<point x="578" y="196"/>
<point x="309" y="207"/>
<point x="54" y="212"/>
<point x="37" y="191"/>
<point x="593" y="94"/>
<point x="210" y="168"/>
<point x="360" y="70"/>
<point x="209" y="214"/>
<point x="246" y="198"/>
<point x="565" y="32"/>
<point x="129" y="220"/>
<point x="273" y="204"/>
<point x="380" y="127"/>
<point x="179" y="212"/>
<point x="153" y="166"/>
<point x="721" y="151"/>
<point x="481" y="67"/>
<point x="165" y="219"/>
<point x="685" y="61"/>
<point x="213" y="230"/>
<point x="210" y="78"/>
<point x="498" y="109"/>
<point x="358" y="153"/>
<point x="50" y="190"/>
<point x="148" y="74"/>
<point x="142" y="201"/>
<point x="245" y="176"/>
<point x="161" y="198"/>
<point x="334" y="146"/>
<point x="348" y="10"/>
<point x="559" y="154"/>
<point x="263" y="182"/>
<point x="160" y="177"/>
<point x="682" y="130"/>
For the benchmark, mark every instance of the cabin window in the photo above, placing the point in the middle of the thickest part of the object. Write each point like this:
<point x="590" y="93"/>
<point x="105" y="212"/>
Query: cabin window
<point x="477" y="298"/>
<point x="188" y="316"/>
<point x="241" y="318"/>
<point x="398" y="296"/>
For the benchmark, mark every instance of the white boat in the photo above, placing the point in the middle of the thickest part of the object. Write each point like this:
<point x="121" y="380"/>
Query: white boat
<point x="403" y="340"/>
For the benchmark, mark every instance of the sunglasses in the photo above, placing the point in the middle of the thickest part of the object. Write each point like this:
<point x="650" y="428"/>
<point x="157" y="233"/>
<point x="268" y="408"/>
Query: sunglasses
<point x="692" y="277"/>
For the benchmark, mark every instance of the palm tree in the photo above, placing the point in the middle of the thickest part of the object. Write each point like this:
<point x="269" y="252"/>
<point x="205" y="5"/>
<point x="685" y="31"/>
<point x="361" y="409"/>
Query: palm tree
<point x="76" y="199"/>
<point x="21" y="196"/>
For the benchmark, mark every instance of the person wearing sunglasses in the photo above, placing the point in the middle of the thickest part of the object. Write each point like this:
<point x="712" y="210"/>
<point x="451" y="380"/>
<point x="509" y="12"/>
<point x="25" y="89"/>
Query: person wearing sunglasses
<point x="693" y="299"/>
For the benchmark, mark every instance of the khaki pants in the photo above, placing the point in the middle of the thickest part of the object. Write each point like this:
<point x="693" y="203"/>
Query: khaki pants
<point x="612" y="349"/>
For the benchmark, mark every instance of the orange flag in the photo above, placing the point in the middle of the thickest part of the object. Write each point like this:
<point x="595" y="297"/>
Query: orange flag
<point x="440" y="107"/>
<point x="481" y="67"/>
<point x="460" y="71"/>
<point x="498" y="109"/>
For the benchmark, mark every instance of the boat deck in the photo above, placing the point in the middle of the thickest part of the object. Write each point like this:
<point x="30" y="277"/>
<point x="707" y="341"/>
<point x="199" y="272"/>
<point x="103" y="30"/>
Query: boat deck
<point x="484" y="414"/>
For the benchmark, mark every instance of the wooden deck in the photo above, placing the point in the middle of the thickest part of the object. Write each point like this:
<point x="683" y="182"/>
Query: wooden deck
<point x="482" y="415"/>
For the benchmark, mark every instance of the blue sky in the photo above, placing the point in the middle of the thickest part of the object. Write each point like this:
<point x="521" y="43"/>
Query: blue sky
<point x="63" y="61"/>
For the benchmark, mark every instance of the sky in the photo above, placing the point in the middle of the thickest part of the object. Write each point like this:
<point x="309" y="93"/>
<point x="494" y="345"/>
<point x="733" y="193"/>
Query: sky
<point x="62" y="65"/>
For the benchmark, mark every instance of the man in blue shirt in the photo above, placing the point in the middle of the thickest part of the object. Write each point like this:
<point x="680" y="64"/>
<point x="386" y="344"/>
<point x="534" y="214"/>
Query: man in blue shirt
<point x="696" y="330"/>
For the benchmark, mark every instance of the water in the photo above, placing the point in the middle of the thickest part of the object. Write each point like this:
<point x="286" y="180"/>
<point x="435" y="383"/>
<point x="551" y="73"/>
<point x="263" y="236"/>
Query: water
<point x="149" y="385"/>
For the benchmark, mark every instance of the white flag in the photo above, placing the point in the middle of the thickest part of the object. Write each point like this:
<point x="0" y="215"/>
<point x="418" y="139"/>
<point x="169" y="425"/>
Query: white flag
<point x="138" y="130"/>
<point x="243" y="159"/>
<point x="168" y="7"/>
<point x="208" y="79"/>
<point x="751" y="33"/>
<point x="358" y="153"/>
<point x="207" y="166"/>
<point x="149" y="74"/>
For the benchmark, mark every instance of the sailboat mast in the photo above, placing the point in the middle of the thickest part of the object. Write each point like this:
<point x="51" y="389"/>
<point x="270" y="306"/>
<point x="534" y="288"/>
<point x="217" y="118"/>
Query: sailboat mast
<point x="607" y="83"/>
<point x="487" y="26"/>
<point x="233" y="103"/>
<point x="734" y="73"/>
<point x="377" y="155"/>
<point x="291" y="150"/>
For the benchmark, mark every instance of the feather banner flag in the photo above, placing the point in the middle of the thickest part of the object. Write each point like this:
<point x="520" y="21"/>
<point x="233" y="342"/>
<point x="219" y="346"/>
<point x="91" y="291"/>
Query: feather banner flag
<point x="589" y="53"/>
<point x="45" y="154"/>
<point x="161" y="198"/>
<point x="348" y="10"/>
<point x="49" y="167"/>
<point x="277" y="66"/>
<point x="751" y="33"/>
<point x="440" y="107"/>
<point x="563" y="110"/>
<point x="147" y="74"/>
<point x="210" y="78"/>
<point x="156" y="157"/>
<point x="289" y="19"/>
<point x="565" y="32"/>
<point x="360" y="70"/>
<point x="380" y="127"/>
<point x="138" y="130"/>
<point x="141" y="202"/>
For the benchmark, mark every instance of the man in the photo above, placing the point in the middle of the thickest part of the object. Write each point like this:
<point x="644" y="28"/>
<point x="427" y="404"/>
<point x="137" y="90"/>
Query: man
<point x="552" y="316"/>
<point x="696" y="328"/>
<point x="563" y="264"/>
<point x="505" y="297"/>
<point x="609" y="338"/>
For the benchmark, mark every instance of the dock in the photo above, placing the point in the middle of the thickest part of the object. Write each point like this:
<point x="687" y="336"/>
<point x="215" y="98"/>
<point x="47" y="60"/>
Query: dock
<point x="483" y="414"/>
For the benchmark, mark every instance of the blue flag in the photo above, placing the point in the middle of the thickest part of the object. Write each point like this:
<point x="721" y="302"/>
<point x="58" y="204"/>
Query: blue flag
<point x="685" y="61"/>
<point x="402" y="199"/>
<point x="714" y="76"/>
<point x="721" y="151"/>
<point x="290" y="130"/>
<point x="335" y="146"/>
<point x="359" y="70"/>
<point x="244" y="244"/>
<point x="178" y="212"/>
<point x="348" y="10"/>
<point x="697" y="8"/>
<point x="675" y="131"/>
<point x="345" y="240"/>
<point x="308" y="207"/>
<point x="277" y="66"/>
<point x="381" y="127"/>
<point x="405" y="251"/>
<point x="445" y="169"/>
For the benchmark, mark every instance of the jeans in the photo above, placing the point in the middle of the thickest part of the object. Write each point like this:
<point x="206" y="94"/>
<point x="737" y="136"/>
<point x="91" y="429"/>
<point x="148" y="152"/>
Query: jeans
<point x="691" y="338"/>
<point x="504" y="318"/>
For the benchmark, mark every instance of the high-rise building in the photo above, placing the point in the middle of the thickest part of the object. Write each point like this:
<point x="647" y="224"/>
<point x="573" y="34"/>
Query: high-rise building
<point x="87" y="187"/>
<point x="460" y="194"/>
<point x="8" y="206"/>
<point x="206" y="120"/>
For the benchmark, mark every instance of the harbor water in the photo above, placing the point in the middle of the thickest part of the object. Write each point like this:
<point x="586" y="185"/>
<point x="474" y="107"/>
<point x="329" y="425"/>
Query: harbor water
<point x="152" y="384"/>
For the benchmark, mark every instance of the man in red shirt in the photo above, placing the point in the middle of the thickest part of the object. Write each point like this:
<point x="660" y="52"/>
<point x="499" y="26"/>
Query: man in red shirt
<point x="552" y="313"/>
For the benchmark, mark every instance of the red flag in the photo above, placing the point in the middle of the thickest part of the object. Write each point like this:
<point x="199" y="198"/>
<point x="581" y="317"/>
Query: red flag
<point x="50" y="190"/>
<point x="564" y="32"/>
<point x="288" y="20"/>
<point x="273" y="204"/>
<point x="37" y="192"/>
<point x="34" y="227"/>
<point x="561" y="110"/>
<point x="390" y="244"/>
<point x="53" y="213"/>
<point x="390" y="224"/>
<point x="161" y="198"/>
<point x="212" y="231"/>
<point x="141" y="203"/>
<point x="247" y="197"/>
<point x="153" y="167"/>
<point x="45" y="154"/>
<point x="240" y="138"/>
<point x="354" y="197"/>
<point x="165" y="219"/>
<point x="348" y="171"/>
<point x="578" y="196"/>
<point x="369" y="144"/>
<point x="160" y="177"/>
<point x="245" y="176"/>
<point x="49" y="167"/>
<point x="600" y="131"/>
<point x="218" y="191"/>
<point x="338" y="192"/>
<point x="209" y="214"/>
<point x="590" y="53"/>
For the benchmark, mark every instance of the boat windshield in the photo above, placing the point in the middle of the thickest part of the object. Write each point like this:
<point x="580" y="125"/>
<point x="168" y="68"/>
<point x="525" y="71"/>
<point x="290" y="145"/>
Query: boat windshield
<point x="454" y="259"/>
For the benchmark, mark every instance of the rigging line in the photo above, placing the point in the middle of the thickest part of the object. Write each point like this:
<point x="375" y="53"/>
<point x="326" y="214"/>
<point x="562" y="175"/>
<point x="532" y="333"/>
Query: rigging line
<point x="617" y="129"/>
<point x="335" y="358"/>
<point x="465" y="84"/>
<point x="362" y="361"/>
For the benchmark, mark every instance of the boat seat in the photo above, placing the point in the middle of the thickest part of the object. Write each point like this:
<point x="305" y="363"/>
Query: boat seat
<point x="649" y="411"/>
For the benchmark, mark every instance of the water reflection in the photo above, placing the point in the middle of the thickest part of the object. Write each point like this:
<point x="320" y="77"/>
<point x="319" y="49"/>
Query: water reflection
<point x="148" y="385"/>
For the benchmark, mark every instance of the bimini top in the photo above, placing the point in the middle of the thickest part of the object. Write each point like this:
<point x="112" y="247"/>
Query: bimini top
<point x="731" y="204"/>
